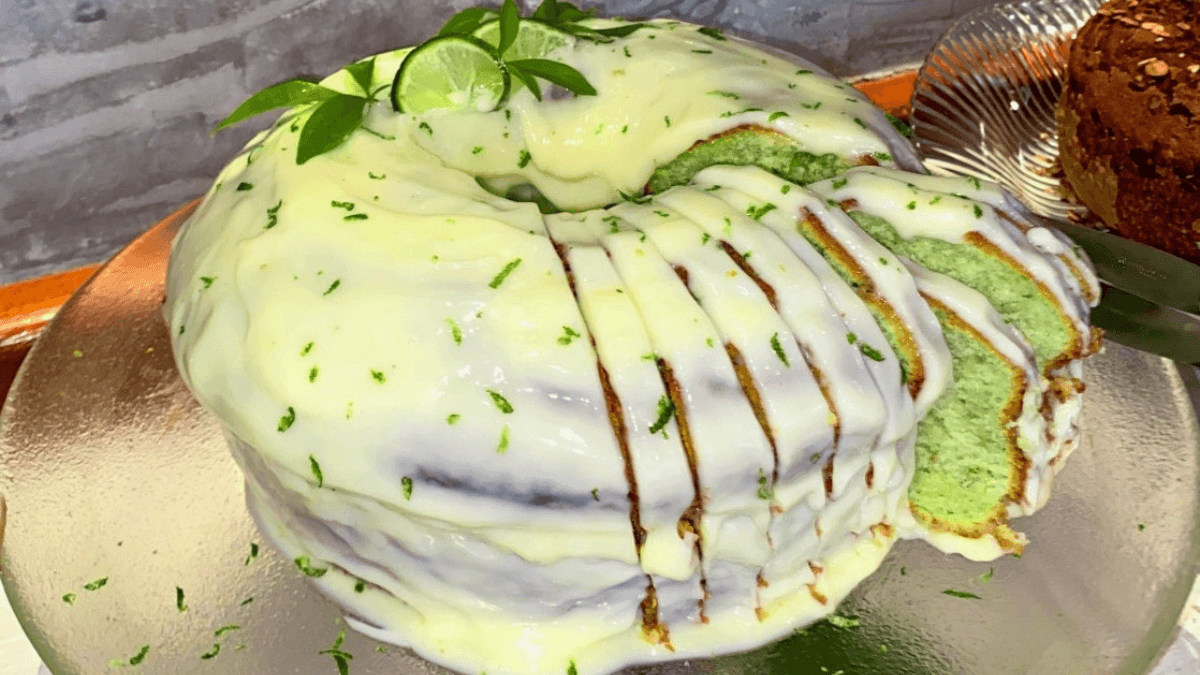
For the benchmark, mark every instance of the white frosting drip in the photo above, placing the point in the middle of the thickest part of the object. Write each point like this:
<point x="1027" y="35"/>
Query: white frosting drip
<point x="893" y="282"/>
<point x="941" y="214"/>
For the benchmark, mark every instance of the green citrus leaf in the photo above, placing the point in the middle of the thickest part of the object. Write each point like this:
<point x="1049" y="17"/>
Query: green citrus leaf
<point x="329" y="126"/>
<point x="527" y="78"/>
<point x="283" y="95"/>
<point x="558" y="73"/>
<point x="547" y="11"/>
<point x="510" y="21"/>
<point x="466" y="21"/>
<point x="557" y="13"/>
<point x="363" y="73"/>
<point x="619" y="31"/>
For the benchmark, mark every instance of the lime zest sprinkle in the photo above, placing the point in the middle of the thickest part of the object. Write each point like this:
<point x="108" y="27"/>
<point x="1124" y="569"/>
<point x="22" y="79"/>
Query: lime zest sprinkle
<point x="844" y="621"/>
<point x="406" y="484"/>
<point x="378" y="376"/>
<point x="179" y="603"/>
<point x="332" y="287"/>
<point x="455" y="331"/>
<point x="341" y="658"/>
<point x="503" y="274"/>
<point x="316" y="471"/>
<point x="286" y="421"/>
<point x="304" y="564"/>
<point x="96" y="585"/>
<point x="764" y="492"/>
<point x="273" y="215"/>
<point x="666" y="410"/>
<point x="502" y="447"/>
<point x="569" y="334"/>
<point x="253" y="552"/>
<point x="961" y="594"/>
<point x="778" y="348"/>
<point x="501" y="403"/>
<point x="757" y="212"/>
<point x="140" y="656"/>
<point x="216" y="649"/>
<point x="870" y="352"/>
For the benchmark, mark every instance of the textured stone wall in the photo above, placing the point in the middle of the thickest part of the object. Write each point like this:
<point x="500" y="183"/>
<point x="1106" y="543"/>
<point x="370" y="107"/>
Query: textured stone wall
<point x="106" y="105"/>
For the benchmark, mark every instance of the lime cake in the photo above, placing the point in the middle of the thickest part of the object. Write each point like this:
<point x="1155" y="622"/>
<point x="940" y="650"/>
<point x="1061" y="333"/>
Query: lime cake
<point x="532" y="368"/>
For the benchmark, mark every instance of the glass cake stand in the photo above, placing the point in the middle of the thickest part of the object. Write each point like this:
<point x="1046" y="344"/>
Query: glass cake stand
<point x="112" y="471"/>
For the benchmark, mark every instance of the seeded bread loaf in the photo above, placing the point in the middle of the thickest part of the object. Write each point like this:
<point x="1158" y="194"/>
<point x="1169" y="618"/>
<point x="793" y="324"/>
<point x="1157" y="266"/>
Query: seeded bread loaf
<point x="1129" y="121"/>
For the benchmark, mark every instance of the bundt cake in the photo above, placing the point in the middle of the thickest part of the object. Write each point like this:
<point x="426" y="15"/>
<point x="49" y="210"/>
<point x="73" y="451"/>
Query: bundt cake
<point x="1129" y="121"/>
<point x="681" y="414"/>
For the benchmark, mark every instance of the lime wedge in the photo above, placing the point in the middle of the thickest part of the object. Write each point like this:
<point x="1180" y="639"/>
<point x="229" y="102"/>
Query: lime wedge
<point x="453" y="72"/>
<point x="534" y="39"/>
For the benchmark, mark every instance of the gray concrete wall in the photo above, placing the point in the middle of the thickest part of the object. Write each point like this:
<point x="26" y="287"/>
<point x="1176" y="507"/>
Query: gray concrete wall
<point x="106" y="105"/>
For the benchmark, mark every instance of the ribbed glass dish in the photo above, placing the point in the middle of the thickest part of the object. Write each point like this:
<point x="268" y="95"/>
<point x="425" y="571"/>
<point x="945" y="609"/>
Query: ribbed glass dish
<point x="984" y="100"/>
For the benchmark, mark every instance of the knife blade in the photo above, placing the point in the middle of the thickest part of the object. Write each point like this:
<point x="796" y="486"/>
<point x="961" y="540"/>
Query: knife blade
<point x="1137" y="269"/>
<point x="1158" y="329"/>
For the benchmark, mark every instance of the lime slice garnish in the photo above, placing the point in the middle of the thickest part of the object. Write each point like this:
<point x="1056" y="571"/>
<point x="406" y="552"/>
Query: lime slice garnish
<point x="534" y="39"/>
<point x="453" y="72"/>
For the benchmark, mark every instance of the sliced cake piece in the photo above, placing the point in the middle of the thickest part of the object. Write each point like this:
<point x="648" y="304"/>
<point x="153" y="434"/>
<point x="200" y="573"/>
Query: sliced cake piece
<point x="796" y="266"/>
<point x="971" y="242"/>
<point x="863" y="411"/>
<point x="785" y="398"/>
<point x="727" y="449"/>
<point x="661" y="487"/>
<point x="978" y="447"/>
<point x="873" y="428"/>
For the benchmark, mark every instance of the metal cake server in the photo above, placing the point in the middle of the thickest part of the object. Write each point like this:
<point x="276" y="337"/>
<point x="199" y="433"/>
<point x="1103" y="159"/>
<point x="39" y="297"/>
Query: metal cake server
<point x="983" y="105"/>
